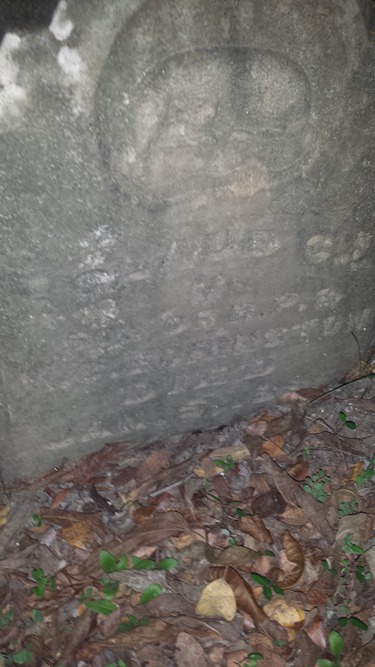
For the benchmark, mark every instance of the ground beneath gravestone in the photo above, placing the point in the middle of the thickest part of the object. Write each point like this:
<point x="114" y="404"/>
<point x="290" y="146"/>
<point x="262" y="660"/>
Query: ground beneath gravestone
<point x="247" y="546"/>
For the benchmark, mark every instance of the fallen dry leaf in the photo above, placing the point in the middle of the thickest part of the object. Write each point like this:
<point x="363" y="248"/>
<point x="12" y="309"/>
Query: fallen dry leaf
<point x="274" y="446"/>
<point x="269" y="503"/>
<point x="189" y="652"/>
<point x="80" y="534"/>
<point x="78" y="634"/>
<point x="295" y="555"/>
<point x="217" y="599"/>
<point x="154" y="632"/>
<point x="300" y="470"/>
<point x="155" y="462"/>
<point x="294" y="495"/>
<point x="294" y="516"/>
<point x="286" y="615"/>
<point x="317" y="633"/>
<point x="236" y="556"/>
<point x="162" y="480"/>
<point x="254" y="526"/>
<point x="243" y="593"/>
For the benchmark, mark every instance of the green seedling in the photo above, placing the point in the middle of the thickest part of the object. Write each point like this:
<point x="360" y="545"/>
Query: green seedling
<point x="356" y="552"/>
<point x="336" y="646"/>
<point x="5" y="618"/>
<point x="110" y="564"/>
<point x="268" y="587"/>
<point x="226" y="465"/>
<point x="241" y="513"/>
<point x="326" y="566"/>
<point x="24" y="656"/>
<point x="132" y="623"/>
<point x="43" y="582"/>
<point x="211" y="496"/>
<point x="37" y="520"/>
<point x="315" y="485"/>
<point x="231" y="540"/>
<point x="36" y="616"/>
<point x="103" y="605"/>
<point x="344" y="620"/>
<point x="252" y="659"/>
<point x="347" y="508"/>
<point x="119" y="663"/>
<point x="347" y="422"/>
<point x="366" y="474"/>
<point x="150" y="593"/>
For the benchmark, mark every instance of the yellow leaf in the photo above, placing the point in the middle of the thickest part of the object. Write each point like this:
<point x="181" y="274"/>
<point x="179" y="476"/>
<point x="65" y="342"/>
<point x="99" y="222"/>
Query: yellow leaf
<point x="4" y="511"/>
<point x="217" y="599"/>
<point x="285" y="615"/>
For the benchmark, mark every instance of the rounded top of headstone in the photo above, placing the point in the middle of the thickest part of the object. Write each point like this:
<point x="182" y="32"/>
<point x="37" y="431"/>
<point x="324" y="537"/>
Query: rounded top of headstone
<point x="214" y="95"/>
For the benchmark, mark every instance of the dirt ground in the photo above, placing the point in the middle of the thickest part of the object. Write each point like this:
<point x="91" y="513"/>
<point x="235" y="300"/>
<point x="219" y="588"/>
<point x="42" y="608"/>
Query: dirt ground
<point x="251" y="545"/>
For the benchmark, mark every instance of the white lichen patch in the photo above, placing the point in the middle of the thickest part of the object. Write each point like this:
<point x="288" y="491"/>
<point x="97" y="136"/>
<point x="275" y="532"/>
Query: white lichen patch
<point x="60" y="26"/>
<point x="96" y="247"/>
<point x="72" y="64"/>
<point x="328" y="298"/>
<point x="319" y="248"/>
<point x="12" y="95"/>
<point x="76" y="78"/>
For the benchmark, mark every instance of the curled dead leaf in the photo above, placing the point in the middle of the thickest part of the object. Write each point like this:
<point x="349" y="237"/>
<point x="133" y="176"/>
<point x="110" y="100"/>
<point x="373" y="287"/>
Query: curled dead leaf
<point x="295" y="555"/>
<point x="254" y="526"/>
<point x="294" y="495"/>
<point x="242" y="591"/>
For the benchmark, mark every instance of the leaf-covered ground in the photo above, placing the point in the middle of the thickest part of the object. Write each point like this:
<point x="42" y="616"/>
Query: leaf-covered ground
<point x="252" y="545"/>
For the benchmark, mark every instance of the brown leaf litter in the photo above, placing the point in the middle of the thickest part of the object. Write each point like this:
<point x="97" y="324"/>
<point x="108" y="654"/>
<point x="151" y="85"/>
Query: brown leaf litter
<point x="255" y="539"/>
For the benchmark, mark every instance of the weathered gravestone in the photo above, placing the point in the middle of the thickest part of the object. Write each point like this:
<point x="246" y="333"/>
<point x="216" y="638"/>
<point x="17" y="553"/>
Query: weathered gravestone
<point x="186" y="215"/>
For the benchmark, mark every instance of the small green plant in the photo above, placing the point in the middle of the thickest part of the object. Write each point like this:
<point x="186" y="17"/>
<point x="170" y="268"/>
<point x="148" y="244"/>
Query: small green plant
<point x="5" y="618"/>
<point x="226" y="465"/>
<point x="109" y="563"/>
<point x="352" y="566"/>
<point x="268" y="587"/>
<point x="36" y="616"/>
<point x="366" y="474"/>
<point x="240" y="513"/>
<point x="150" y="593"/>
<point x="231" y="540"/>
<point x="37" y="520"/>
<point x="355" y="562"/>
<point x="315" y="485"/>
<point x="133" y="622"/>
<point x="344" y="620"/>
<point x="347" y="507"/>
<point x="23" y="656"/>
<point x="336" y="646"/>
<point x="119" y="663"/>
<point x="328" y="568"/>
<point x="252" y="659"/>
<point x="104" y="604"/>
<point x="347" y="422"/>
<point x="43" y="582"/>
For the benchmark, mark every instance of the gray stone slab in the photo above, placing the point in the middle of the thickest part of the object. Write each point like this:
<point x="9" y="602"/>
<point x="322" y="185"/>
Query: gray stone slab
<point x="186" y="215"/>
